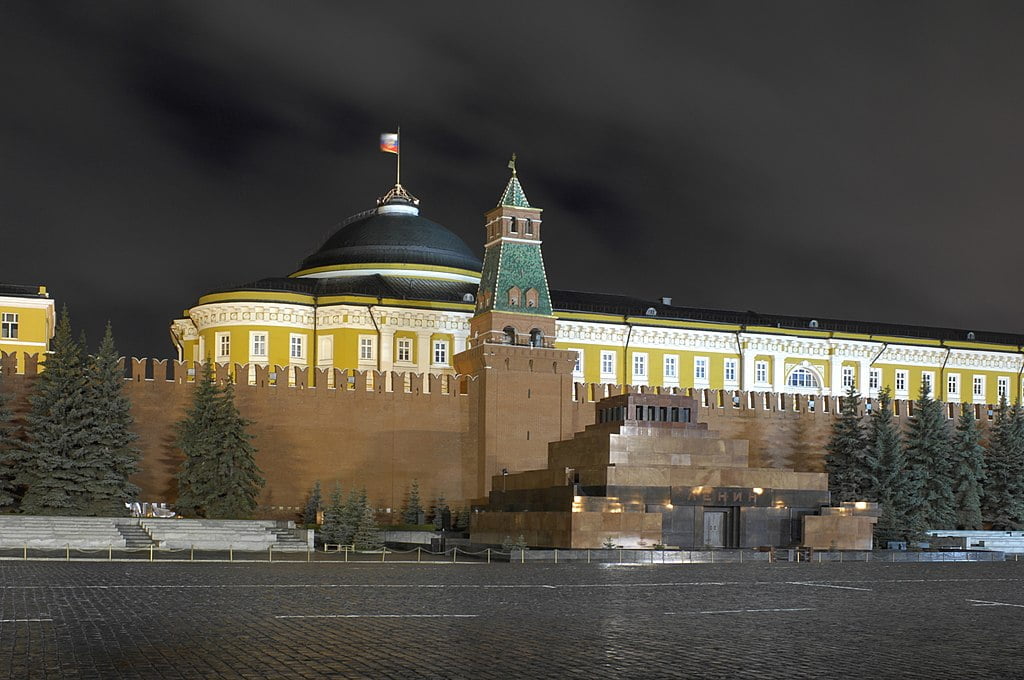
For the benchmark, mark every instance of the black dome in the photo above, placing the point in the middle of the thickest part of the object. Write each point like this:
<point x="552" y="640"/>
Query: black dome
<point x="393" y="234"/>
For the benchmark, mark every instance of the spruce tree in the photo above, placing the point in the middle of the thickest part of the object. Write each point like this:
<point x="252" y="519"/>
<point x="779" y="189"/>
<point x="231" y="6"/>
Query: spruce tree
<point x="968" y="469"/>
<point x="239" y="480"/>
<point x="53" y="463"/>
<point x="1003" y="501"/>
<point x="330" y="530"/>
<point x="313" y="503"/>
<point x="8" y="444"/>
<point x="198" y="440"/>
<point x="929" y="463"/>
<point x="113" y="458"/>
<point x="848" y="475"/>
<point x="894" y="490"/>
<point x="219" y="477"/>
<point x="413" y="507"/>
<point x="351" y="515"/>
<point x="366" y="533"/>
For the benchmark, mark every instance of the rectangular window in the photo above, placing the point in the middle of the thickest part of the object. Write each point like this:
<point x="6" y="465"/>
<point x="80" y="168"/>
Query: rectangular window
<point x="9" y="326"/>
<point x="700" y="369"/>
<point x="578" y="366"/>
<point x="365" y="348"/>
<point x="953" y="385"/>
<point x="404" y="351"/>
<point x="223" y="346"/>
<point x="874" y="378"/>
<point x="441" y="352"/>
<point x="730" y="370"/>
<point x="296" y="347"/>
<point x="259" y="344"/>
<point x="979" y="386"/>
<point x="671" y="367"/>
<point x="901" y="381"/>
<point x="847" y="377"/>
<point x="1003" y="388"/>
<point x="639" y="365"/>
<point x="607" y="363"/>
<point x="761" y="372"/>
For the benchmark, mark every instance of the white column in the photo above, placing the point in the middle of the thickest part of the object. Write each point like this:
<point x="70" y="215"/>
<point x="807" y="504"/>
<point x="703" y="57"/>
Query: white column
<point x="423" y="351"/>
<point x="862" y="378"/>
<point x="779" y="373"/>
<point x="387" y="349"/>
<point x="837" y="375"/>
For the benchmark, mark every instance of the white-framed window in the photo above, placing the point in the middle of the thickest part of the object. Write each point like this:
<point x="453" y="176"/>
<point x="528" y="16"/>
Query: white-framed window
<point x="700" y="370"/>
<point x="802" y="378"/>
<point x="440" y="352"/>
<point x="671" y="367"/>
<point x="761" y="372"/>
<point x="901" y="382"/>
<point x="607" y="364"/>
<point x="296" y="346"/>
<point x="729" y="370"/>
<point x="847" y="377"/>
<point x="953" y="385"/>
<point x="223" y="344"/>
<point x="1003" y="387"/>
<point x="326" y="353"/>
<point x="979" y="387"/>
<point x="403" y="350"/>
<point x="639" y="365"/>
<point x="928" y="381"/>
<point x="258" y="343"/>
<point x="577" y="368"/>
<point x="874" y="378"/>
<point x="366" y="347"/>
<point x="9" y="326"/>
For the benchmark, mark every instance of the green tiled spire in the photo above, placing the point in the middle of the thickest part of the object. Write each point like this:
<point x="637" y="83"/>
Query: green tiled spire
<point x="514" y="195"/>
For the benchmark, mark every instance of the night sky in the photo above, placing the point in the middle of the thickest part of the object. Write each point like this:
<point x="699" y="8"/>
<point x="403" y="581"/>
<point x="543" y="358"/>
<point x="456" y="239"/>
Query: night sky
<point x="846" y="160"/>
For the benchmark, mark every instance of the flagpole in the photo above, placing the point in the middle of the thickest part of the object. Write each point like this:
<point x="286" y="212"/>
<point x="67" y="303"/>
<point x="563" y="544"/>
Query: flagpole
<point x="398" y="169"/>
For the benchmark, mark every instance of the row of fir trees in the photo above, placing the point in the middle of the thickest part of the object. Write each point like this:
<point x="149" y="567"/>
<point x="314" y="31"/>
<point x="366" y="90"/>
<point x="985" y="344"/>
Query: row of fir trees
<point x="72" y="454"/>
<point x="931" y="476"/>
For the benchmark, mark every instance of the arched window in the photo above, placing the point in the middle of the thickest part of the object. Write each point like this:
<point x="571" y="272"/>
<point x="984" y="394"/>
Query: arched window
<point x="513" y="227"/>
<point x="802" y="378"/>
<point x="536" y="338"/>
<point x="510" y="335"/>
<point x="531" y="297"/>
<point x="514" y="296"/>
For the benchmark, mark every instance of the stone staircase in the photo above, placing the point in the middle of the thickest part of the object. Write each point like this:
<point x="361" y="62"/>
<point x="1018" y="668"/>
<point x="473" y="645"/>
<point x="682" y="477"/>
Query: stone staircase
<point x="134" y="535"/>
<point x="288" y="541"/>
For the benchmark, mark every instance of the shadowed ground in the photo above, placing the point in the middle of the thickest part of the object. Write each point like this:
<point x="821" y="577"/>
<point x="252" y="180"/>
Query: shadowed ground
<point x="109" y="620"/>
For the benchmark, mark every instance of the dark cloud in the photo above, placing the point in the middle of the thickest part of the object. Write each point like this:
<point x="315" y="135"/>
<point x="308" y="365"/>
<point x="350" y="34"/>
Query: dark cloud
<point x="855" y="160"/>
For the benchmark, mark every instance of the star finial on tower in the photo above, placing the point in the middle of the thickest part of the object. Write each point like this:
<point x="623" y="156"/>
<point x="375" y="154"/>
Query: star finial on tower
<point x="512" y="164"/>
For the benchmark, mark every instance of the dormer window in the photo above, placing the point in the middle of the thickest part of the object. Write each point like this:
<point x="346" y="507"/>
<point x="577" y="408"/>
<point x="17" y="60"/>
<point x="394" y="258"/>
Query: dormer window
<point x="531" y="297"/>
<point x="514" y="296"/>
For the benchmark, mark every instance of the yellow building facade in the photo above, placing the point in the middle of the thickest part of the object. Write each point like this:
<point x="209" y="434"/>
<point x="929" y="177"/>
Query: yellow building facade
<point x="27" y="322"/>
<point x="394" y="291"/>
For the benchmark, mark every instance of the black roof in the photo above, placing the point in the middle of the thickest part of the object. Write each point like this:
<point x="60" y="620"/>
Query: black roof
<point x="621" y="305"/>
<point x="405" y="238"/>
<point x="439" y="290"/>
<point x="16" y="290"/>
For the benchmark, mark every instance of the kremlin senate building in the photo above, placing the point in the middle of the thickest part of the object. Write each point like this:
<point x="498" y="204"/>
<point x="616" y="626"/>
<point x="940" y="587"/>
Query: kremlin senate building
<point x="398" y="352"/>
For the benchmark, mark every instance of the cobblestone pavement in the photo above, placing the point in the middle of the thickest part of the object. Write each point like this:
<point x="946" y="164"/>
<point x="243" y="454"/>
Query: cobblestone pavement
<point x="127" y="620"/>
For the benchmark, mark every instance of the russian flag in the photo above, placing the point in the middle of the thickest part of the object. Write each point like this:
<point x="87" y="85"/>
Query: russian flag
<point x="389" y="142"/>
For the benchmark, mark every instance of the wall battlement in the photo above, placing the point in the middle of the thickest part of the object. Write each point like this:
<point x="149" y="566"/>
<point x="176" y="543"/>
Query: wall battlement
<point x="381" y="430"/>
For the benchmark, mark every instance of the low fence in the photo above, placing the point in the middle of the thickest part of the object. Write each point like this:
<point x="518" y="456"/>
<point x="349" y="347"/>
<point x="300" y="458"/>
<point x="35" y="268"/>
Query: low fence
<point x="456" y="555"/>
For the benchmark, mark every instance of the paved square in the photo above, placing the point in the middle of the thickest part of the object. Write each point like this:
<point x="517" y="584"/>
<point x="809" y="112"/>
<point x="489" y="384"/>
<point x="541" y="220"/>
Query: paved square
<point x="122" y="620"/>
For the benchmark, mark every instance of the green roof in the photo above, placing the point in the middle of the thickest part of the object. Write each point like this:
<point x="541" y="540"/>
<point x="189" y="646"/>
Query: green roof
<point x="514" y="195"/>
